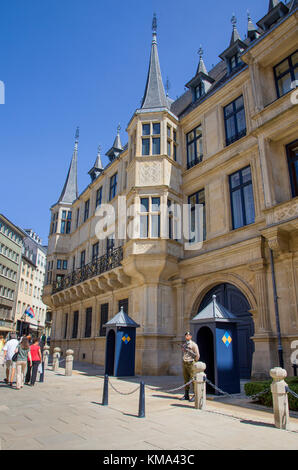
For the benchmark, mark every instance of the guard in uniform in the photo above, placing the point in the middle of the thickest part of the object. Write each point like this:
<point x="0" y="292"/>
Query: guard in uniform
<point x="190" y="356"/>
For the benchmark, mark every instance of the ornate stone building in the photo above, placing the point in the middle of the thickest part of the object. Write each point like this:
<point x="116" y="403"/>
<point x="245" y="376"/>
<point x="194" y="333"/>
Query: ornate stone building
<point x="229" y="144"/>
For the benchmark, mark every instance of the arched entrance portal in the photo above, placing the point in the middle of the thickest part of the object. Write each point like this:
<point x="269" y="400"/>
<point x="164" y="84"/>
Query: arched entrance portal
<point x="205" y="341"/>
<point x="110" y="353"/>
<point x="232" y="298"/>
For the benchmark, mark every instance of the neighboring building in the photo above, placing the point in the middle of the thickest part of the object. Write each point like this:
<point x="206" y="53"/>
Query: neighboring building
<point x="11" y="242"/>
<point x="32" y="278"/>
<point x="229" y="143"/>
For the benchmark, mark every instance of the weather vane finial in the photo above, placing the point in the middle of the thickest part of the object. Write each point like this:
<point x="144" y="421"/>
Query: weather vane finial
<point x="168" y="86"/>
<point x="77" y="134"/>
<point x="154" y="23"/>
<point x="234" y="20"/>
<point x="118" y="129"/>
<point x="201" y="52"/>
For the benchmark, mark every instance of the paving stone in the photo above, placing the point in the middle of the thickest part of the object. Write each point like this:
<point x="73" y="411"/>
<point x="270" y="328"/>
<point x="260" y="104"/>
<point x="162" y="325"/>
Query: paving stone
<point x="66" y="413"/>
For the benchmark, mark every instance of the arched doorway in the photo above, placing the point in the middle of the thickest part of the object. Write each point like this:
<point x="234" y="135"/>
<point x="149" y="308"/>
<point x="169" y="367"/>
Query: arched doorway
<point x="232" y="298"/>
<point x="110" y="353"/>
<point x="205" y="342"/>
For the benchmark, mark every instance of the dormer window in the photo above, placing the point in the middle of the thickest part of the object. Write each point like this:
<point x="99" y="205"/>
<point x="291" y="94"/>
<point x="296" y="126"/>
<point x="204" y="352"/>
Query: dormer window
<point x="199" y="91"/>
<point x="235" y="61"/>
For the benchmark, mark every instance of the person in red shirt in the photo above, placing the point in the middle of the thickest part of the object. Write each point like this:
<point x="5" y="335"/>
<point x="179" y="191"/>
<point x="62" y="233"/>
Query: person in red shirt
<point x="36" y="360"/>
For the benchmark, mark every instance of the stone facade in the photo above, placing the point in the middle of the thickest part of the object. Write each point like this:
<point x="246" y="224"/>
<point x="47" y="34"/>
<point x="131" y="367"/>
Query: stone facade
<point x="163" y="283"/>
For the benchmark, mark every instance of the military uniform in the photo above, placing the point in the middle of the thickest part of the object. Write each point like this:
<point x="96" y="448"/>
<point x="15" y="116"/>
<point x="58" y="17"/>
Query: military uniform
<point x="190" y="356"/>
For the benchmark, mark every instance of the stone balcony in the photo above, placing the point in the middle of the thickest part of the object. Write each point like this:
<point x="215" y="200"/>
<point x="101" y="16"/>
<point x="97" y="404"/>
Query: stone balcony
<point x="102" y="275"/>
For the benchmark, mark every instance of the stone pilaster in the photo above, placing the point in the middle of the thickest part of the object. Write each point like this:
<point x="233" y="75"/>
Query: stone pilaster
<point x="261" y="316"/>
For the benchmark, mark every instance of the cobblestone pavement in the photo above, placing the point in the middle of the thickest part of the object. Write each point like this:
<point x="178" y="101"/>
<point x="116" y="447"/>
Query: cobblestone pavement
<point x="66" y="413"/>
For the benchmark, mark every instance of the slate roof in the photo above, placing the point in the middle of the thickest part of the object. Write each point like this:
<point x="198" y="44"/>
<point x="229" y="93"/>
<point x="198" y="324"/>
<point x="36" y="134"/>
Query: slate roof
<point x="154" y="95"/>
<point x="214" y="311"/>
<point x="122" y="319"/>
<point x="70" y="189"/>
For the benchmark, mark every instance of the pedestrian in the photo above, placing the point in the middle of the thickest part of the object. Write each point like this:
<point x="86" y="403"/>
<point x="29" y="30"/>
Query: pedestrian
<point x="36" y="360"/>
<point x="24" y="355"/>
<point x="190" y="356"/>
<point x="9" y="351"/>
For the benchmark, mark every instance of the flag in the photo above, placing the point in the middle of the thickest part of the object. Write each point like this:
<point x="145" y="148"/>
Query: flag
<point x="29" y="311"/>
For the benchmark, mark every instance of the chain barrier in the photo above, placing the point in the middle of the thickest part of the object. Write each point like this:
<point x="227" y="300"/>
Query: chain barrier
<point x="173" y="389"/>
<point x="288" y="390"/>
<point x="263" y="392"/>
<point x="217" y="389"/>
<point x="123" y="393"/>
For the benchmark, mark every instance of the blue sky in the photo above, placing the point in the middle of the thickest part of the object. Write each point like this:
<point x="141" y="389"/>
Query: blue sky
<point x="68" y="63"/>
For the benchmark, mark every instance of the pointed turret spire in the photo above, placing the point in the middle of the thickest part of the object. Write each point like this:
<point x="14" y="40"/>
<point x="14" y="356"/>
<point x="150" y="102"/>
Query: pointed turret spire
<point x="97" y="167"/>
<point x="70" y="189"/>
<point x="235" y="35"/>
<point x="117" y="146"/>
<point x="154" y="96"/>
<point x="252" y="32"/>
<point x="201" y="66"/>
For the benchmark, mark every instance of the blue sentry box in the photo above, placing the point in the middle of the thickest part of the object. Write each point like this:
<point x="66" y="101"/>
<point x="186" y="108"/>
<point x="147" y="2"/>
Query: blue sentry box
<point x="120" y="345"/>
<point x="215" y="331"/>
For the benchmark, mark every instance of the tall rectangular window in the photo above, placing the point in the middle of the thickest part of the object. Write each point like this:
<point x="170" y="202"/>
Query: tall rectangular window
<point x="86" y="210"/>
<point x="88" y="324"/>
<point x="145" y="147"/>
<point x="197" y="224"/>
<point x="144" y="218"/>
<point x="235" y="124"/>
<point x="150" y="217"/>
<point x="292" y="152"/>
<point x="63" y="222"/>
<point x="95" y="250"/>
<point x="98" y="197"/>
<point x="151" y="139"/>
<point x="104" y="312"/>
<point x="110" y="243"/>
<point x="286" y="74"/>
<point x="75" y="324"/>
<point x="155" y="217"/>
<point x="194" y="142"/>
<point x="83" y="258"/>
<point x="156" y="146"/>
<point x="113" y="186"/>
<point x="242" y="198"/>
<point x="68" y="222"/>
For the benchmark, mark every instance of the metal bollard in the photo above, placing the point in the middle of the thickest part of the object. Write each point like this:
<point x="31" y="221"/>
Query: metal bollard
<point x="45" y="355"/>
<point x="280" y="398"/>
<point x="142" y="401"/>
<point x="105" y="395"/>
<point x="200" y="386"/>
<point x="41" y="376"/>
<point x="56" y="357"/>
<point x="69" y="362"/>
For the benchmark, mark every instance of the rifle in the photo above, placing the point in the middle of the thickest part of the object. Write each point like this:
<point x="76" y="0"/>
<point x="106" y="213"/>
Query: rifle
<point x="186" y="349"/>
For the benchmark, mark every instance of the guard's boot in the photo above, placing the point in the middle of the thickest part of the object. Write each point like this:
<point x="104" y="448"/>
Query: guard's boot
<point x="185" y="397"/>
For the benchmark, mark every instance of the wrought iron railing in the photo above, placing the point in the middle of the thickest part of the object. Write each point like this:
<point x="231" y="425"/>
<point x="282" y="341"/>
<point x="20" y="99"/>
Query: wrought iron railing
<point x="105" y="263"/>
